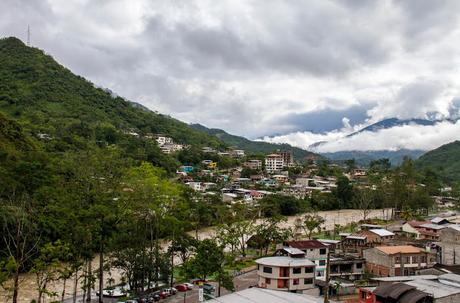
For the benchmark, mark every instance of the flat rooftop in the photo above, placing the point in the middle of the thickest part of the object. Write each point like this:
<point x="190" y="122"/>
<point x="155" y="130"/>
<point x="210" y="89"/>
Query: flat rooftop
<point x="285" y="261"/>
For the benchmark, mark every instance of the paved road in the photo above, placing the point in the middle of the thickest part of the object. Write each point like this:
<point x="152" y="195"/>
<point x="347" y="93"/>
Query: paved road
<point x="241" y="282"/>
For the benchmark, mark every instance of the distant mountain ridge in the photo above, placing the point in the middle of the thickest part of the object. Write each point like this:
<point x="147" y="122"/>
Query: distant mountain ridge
<point x="393" y="122"/>
<point x="254" y="146"/>
<point x="365" y="157"/>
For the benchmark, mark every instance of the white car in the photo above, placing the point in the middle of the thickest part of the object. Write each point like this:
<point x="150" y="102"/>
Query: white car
<point x="189" y="285"/>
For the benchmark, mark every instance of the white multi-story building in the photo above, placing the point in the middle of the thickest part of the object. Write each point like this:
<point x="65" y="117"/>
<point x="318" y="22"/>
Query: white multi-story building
<point x="274" y="162"/>
<point x="162" y="140"/>
<point x="315" y="251"/>
<point x="293" y="273"/>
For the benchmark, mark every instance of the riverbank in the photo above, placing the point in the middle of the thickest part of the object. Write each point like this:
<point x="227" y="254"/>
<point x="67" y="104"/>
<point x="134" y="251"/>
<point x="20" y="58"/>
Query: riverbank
<point x="28" y="288"/>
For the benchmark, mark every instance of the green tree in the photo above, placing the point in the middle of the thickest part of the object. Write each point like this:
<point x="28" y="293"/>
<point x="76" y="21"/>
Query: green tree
<point x="312" y="223"/>
<point x="46" y="266"/>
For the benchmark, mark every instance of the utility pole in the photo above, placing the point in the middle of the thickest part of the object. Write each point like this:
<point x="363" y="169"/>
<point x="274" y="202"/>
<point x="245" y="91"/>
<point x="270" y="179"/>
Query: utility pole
<point x="328" y="269"/>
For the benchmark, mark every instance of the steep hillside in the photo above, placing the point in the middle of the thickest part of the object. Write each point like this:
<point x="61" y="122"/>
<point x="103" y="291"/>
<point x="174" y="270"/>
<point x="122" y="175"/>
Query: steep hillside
<point x="254" y="146"/>
<point x="13" y="141"/>
<point x="445" y="160"/>
<point x="47" y="98"/>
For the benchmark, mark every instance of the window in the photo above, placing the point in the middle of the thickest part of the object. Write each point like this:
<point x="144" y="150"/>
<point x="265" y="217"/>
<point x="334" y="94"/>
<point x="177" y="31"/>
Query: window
<point x="414" y="259"/>
<point x="359" y="265"/>
<point x="407" y="259"/>
<point x="423" y="259"/>
<point x="308" y="270"/>
<point x="307" y="281"/>
<point x="322" y="262"/>
<point x="397" y="260"/>
<point x="268" y="281"/>
<point x="295" y="281"/>
<point x="322" y="251"/>
<point x="297" y="270"/>
<point x="268" y="270"/>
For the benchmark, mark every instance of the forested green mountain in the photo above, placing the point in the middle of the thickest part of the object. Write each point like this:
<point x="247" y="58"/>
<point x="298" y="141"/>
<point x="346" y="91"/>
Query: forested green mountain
<point x="253" y="146"/>
<point x="47" y="98"/>
<point x="445" y="160"/>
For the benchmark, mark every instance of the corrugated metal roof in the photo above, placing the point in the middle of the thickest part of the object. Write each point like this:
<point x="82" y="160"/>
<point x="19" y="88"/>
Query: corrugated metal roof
<point x="306" y="244"/>
<point x="433" y="226"/>
<point x="260" y="295"/>
<point x="413" y="296"/>
<point x="382" y="232"/>
<point x="435" y="288"/>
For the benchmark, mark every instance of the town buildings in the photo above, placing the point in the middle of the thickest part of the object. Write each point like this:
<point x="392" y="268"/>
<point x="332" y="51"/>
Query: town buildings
<point x="418" y="289"/>
<point x="288" y="157"/>
<point x="253" y="164"/>
<point x="274" y="163"/>
<point x="315" y="251"/>
<point x="403" y="260"/>
<point x="292" y="272"/>
<point x="449" y="245"/>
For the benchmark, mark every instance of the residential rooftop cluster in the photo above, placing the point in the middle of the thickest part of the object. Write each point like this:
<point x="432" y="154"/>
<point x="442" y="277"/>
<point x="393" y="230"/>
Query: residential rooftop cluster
<point x="379" y="263"/>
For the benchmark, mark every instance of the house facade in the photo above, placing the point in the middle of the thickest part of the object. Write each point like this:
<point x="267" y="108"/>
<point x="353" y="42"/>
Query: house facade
<point x="404" y="260"/>
<point x="274" y="163"/>
<point x="315" y="251"/>
<point x="286" y="273"/>
<point x="449" y="246"/>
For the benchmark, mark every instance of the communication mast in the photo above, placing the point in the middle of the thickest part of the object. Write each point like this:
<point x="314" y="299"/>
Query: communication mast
<point x="28" y="35"/>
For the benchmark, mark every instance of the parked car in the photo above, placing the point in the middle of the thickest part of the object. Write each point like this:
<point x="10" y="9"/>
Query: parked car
<point x="171" y="291"/>
<point x="189" y="285"/>
<point x="181" y="287"/>
<point x="154" y="297"/>
<point x="208" y="287"/>
<point x="163" y="294"/>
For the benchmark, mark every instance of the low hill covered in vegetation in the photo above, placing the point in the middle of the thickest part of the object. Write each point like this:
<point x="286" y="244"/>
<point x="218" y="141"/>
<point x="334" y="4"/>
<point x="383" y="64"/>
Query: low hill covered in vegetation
<point x="445" y="160"/>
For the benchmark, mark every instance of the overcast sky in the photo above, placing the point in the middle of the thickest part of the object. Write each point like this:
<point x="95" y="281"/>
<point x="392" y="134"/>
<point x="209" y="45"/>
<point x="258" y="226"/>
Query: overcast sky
<point x="296" y="71"/>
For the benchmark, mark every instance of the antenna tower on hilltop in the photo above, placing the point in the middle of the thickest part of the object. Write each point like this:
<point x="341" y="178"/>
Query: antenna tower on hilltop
<point x="28" y="35"/>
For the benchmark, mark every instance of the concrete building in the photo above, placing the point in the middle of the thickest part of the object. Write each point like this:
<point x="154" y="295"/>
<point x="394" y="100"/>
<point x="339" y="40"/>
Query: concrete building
<point x="253" y="164"/>
<point x="237" y="153"/>
<point x="404" y="260"/>
<point x="347" y="267"/>
<point x="293" y="272"/>
<point x="315" y="251"/>
<point x="274" y="163"/>
<point x="162" y="140"/>
<point x="413" y="229"/>
<point x="449" y="245"/>
<point x="288" y="157"/>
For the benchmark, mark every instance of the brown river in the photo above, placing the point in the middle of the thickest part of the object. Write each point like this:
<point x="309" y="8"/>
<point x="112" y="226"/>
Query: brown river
<point x="28" y="292"/>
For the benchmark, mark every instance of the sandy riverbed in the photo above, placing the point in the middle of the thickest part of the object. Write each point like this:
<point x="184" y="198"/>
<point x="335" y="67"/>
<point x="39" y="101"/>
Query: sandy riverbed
<point x="28" y="291"/>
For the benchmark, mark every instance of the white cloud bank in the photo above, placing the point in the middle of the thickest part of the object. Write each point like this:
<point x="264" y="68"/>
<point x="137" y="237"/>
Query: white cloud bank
<point x="255" y="68"/>
<point x="409" y="136"/>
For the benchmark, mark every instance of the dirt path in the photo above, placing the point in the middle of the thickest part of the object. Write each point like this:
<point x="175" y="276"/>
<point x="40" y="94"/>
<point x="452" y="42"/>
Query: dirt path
<point x="28" y="291"/>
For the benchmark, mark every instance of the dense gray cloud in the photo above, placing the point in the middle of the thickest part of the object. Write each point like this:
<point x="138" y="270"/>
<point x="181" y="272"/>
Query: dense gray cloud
<point x="258" y="68"/>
